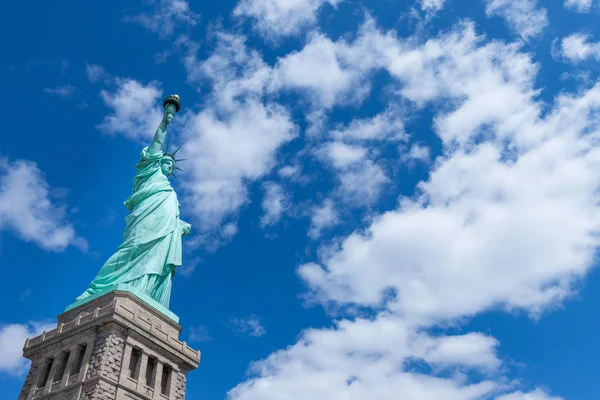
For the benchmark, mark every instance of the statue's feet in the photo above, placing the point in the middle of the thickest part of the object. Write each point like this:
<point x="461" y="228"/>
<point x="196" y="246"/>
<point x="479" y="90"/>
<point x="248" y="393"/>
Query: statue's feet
<point x="84" y="296"/>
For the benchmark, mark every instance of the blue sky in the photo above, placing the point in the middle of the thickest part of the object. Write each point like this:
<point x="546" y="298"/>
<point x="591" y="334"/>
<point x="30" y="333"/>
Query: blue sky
<point x="389" y="199"/>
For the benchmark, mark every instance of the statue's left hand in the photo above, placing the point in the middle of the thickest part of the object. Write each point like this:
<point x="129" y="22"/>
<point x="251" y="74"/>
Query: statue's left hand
<point x="186" y="229"/>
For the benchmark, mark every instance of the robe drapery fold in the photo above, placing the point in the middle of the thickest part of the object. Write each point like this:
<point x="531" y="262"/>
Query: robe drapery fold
<point x="151" y="247"/>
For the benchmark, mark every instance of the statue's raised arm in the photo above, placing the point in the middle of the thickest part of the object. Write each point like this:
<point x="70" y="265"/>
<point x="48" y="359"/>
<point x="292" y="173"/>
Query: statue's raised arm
<point x="171" y="105"/>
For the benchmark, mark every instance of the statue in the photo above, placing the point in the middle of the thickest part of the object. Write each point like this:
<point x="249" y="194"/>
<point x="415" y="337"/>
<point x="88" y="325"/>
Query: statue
<point x="151" y="249"/>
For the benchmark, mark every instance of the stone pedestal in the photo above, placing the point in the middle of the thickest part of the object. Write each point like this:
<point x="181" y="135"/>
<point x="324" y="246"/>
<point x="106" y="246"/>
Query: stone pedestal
<point x="115" y="347"/>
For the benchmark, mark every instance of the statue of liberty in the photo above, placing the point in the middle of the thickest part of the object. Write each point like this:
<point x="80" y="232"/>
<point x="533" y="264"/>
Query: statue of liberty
<point x="151" y="249"/>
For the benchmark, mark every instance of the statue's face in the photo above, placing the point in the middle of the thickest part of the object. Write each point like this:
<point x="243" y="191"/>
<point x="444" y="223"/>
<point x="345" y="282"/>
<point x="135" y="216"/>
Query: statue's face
<point x="167" y="167"/>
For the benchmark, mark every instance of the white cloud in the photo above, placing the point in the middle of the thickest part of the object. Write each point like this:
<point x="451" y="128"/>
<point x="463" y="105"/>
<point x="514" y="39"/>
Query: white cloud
<point x="200" y="334"/>
<point x="473" y="350"/>
<point x="537" y="394"/>
<point x="12" y="339"/>
<point x="189" y="266"/>
<point x="418" y="152"/>
<point x="135" y="109"/>
<point x="94" y="72"/>
<point x="387" y="125"/>
<point x="289" y="172"/>
<point x="274" y="204"/>
<point x="62" y="91"/>
<point x="354" y="155"/>
<point x="475" y="199"/>
<point x="324" y="216"/>
<point x="234" y="139"/>
<point x="28" y="209"/>
<point x="328" y="72"/>
<point x="361" y="179"/>
<point x="361" y="184"/>
<point x="582" y="6"/>
<point x="522" y="16"/>
<point x="167" y="15"/>
<point x="274" y="19"/>
<point x="360" y="360"/>
<point x="222" y="155"/>
<point x="250" y="326"/>
<point x="495" y="79"/>
<point x="507" y="220"/>
<point x="452" y="240"/>
<point x="342" y="155"/>
<point x="577" y="48"/>
<point x="432" y="5"/>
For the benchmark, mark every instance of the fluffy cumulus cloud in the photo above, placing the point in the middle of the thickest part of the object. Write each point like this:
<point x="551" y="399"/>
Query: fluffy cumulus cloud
<point x="235" y="138"/>
<point x="28" y="208"/>
<point x="279" y="18"/>
<point x="578" y="48"/>
<point x="12" y="339"/>
<point x="223" y="153"/>
<point x="523" y="16"/>
<point x="330" y="72"/>
<point x="582" y="6"/>
<point x="135" y="109"/>
<point x="166" y="16"/>
<point x="360" y="359"/>
<point x="508" y="219"/>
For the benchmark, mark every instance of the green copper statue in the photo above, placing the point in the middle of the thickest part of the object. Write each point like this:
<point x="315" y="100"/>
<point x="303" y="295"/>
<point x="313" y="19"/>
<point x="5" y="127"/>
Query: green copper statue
<point x="151" y="250"/>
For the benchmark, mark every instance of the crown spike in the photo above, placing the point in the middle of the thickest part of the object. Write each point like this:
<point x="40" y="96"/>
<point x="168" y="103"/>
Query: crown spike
<point x="180" y="159"/>
<point x="177" y="168"/>
<point x="175" y="152"/>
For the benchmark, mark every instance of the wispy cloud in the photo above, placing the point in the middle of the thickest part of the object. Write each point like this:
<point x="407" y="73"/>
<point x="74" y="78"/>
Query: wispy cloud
<point x="189" y="266"/>
<point x="322" y="217"/>
<point x="582" y="6"/>
<point x="95" y="73"/>
<point x="274" y="204"/>
<point x="62" y="91"/>
<point x="250" y="326"/>
<point x="166" y="16"/>
<point x="199" y="334"/>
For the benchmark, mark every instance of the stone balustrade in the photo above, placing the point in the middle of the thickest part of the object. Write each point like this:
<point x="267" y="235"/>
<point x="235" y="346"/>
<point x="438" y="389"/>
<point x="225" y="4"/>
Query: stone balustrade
<point x="125" y="308"/>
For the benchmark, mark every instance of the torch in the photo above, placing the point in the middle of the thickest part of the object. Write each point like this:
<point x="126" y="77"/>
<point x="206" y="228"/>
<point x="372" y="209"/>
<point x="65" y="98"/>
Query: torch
<point x="172" y="101"/>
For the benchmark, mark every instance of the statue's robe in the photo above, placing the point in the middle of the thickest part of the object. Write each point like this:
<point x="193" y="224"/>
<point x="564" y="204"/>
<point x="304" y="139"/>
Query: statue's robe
<point x="151" y="248"/>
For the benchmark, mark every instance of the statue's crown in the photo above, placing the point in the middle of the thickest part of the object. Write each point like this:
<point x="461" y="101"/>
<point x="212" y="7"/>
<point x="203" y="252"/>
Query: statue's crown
<point x="170" y="155"/>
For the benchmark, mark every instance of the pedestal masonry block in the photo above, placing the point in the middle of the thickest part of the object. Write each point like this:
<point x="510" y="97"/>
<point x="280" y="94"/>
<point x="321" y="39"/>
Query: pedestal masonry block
<point x="114" y="347"/>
